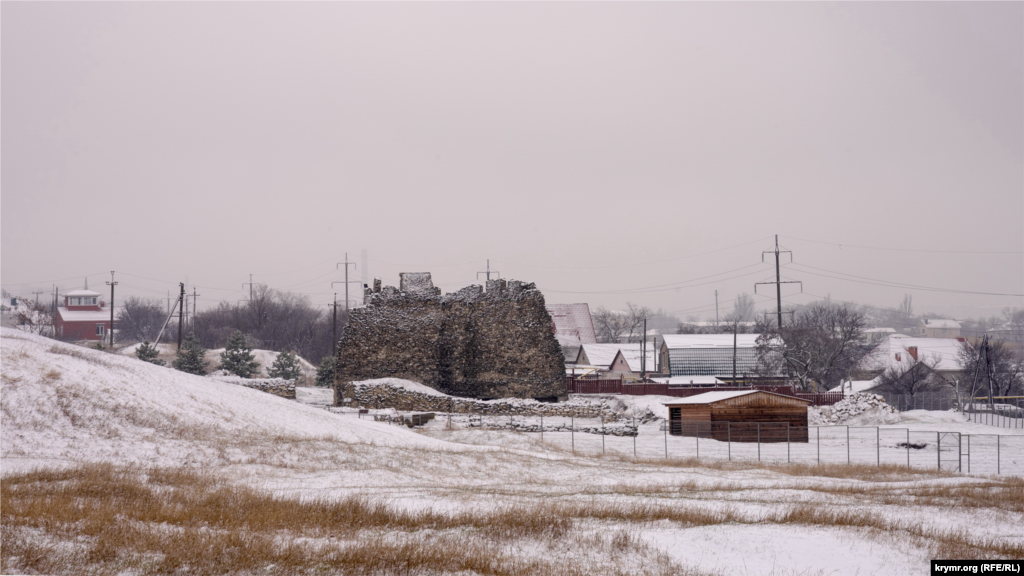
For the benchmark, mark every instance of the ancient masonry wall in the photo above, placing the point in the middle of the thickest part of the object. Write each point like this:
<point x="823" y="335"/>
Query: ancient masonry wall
<point x="276" y="386"/>
<point x="380" y="396"/>
<point x="473" y="343"/>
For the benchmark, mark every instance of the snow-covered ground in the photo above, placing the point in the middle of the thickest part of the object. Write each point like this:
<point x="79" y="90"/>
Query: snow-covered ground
<point x="63" y="406"/>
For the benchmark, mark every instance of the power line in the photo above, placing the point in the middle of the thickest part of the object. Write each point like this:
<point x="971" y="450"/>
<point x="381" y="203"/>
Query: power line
<point x="667" y="287"/>
<point x="890" y="284"/>
<point x="907" y="249"/>
<point x="638" y="263"/>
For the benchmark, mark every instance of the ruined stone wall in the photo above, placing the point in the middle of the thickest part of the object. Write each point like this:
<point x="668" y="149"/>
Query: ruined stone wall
<point x="276" y="386"/>
<point x="493" y="344"/>
<point x="380" y="396"/>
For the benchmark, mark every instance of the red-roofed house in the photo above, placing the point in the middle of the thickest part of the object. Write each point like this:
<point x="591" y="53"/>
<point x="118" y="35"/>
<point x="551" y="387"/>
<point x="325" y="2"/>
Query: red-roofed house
<point x="82" y="317"/>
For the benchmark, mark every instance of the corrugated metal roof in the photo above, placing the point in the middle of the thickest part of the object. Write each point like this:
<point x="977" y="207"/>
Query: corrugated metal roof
<point x="709" y="340"/>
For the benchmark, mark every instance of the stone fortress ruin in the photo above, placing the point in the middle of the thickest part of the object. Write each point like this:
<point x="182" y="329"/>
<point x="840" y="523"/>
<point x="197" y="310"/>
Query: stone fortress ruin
<point x="474" y="343"/>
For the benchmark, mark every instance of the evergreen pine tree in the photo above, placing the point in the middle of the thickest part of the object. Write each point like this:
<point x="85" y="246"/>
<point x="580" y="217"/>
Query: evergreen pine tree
<point x="148" y="353"/>
<point x="191" y="356"/>
<point x="285" y="366"/>
<point x="238" y="358"/>
<point x="325" y="372"/>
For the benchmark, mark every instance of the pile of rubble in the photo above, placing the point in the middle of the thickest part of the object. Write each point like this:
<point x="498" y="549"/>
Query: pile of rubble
<point x="860" y="408"/>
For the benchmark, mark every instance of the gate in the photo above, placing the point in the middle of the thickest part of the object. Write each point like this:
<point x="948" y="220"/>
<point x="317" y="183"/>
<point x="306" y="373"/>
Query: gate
<point x="950" y="454"/>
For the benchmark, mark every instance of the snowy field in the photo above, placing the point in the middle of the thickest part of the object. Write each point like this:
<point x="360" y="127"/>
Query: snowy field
<point x="65" y="407"/>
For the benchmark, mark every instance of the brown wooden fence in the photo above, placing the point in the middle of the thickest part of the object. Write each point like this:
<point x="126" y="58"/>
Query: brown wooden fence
<point x="576" y="385"/>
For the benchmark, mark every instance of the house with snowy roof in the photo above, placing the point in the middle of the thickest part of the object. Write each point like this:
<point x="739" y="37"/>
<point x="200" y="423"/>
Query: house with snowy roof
<point x="626" y="359"/>
<point x="573" y="327"/>
<point x="83" y="316"/>
<point x="941" y="355"/>
<point x="938" y="328"/>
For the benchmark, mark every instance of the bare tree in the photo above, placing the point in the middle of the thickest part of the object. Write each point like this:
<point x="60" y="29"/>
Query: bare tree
<point x="139" y="319"/>
<point x="635" y="316"/>
<point x="822" y="345"/>
<point x="996" y="368"/>
<point x="609" y="325"/>
<point x="743" y="310"/>
<point x="273" y="320"/>
<point x="910" y="376"/>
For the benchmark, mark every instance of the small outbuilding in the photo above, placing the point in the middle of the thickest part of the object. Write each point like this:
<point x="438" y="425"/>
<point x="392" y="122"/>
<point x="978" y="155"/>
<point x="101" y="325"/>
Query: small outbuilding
<point x="740" y="416"/>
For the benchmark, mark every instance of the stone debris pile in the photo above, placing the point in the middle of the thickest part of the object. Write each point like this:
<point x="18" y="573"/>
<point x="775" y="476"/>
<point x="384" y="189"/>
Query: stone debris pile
<point x="860" y="408"/>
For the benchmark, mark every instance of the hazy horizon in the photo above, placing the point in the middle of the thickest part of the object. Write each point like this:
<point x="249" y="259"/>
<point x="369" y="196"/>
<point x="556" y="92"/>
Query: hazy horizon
<point x="609" y="152"/>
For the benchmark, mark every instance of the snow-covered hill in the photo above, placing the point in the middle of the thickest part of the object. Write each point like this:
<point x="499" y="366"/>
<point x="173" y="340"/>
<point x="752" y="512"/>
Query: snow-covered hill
<point x="63" y="404"/>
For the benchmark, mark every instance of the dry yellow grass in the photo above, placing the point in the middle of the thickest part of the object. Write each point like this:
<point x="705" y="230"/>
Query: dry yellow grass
<point x="107" y="519"/>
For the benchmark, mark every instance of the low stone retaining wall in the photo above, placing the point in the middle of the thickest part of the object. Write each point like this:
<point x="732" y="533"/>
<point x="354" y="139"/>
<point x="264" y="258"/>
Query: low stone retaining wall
<point x="276" y="386"/>
<point x="380" y="396"/>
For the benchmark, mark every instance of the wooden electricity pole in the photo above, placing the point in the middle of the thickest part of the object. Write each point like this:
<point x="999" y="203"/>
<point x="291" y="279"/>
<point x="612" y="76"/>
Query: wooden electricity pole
<point x="181" y="311"/>
<point x="111" y="284"/>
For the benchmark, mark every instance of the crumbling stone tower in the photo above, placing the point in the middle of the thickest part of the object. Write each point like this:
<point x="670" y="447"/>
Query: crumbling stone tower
<point x="496" y="343"/>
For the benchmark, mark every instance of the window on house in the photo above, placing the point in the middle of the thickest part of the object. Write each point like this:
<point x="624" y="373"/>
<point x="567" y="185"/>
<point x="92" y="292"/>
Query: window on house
<point x="99" y="329"/>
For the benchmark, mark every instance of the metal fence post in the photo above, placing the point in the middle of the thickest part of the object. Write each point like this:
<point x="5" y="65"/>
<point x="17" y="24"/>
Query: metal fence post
<point x="908" y="447"/>
<point x="787" y="443"/>
<point x="728" y="431"/>
<point x="572" y="432"/>
<point x="938" y="450"/>
<point x="847" y="444"/>
<point x="999" y="457"/>
<point x="817" y="431"/>
<point x="602" y="434"/>
<point x="636" y="432"/>
<point x="696" y="431"/>
<point x="758" y="441"/>
<point x="968" y="453"/>
<point x="666" y="432"/>
<point x="878" y="445"/>
<point x="541" y="428"/>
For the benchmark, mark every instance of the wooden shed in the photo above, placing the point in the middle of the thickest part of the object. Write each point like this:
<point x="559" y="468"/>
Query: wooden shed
<point x="744" y="416"/>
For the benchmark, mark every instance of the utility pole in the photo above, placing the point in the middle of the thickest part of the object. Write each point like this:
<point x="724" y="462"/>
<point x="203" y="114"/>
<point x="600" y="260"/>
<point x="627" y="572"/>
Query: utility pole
<point x="488" y="272"/>
<point x="195" y="310"/>
<point x="735" y="330"/>
<point x="37" y="293"/>
<point x="716" y="307"/>
<point x="111" y="284"/>
<point x="181" y="311"/>
<point x="778" y="277"/>
<point x="249" y="283"/>
<point x="643" y="353"/>
<point x="334" y="329"/>
<point x="346" y="263"/>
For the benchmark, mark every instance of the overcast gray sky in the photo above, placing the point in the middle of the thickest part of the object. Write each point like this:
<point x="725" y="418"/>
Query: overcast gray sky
<point x="594" y="148"/>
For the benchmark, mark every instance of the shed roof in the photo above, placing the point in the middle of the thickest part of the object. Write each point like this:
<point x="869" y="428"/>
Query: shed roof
<point x="722" y="396"/>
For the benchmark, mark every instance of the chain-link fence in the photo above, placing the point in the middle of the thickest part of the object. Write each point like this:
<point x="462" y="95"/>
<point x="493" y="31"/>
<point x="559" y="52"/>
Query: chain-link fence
<point x="776" y="443"/>
<point x="999" y="411"/>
